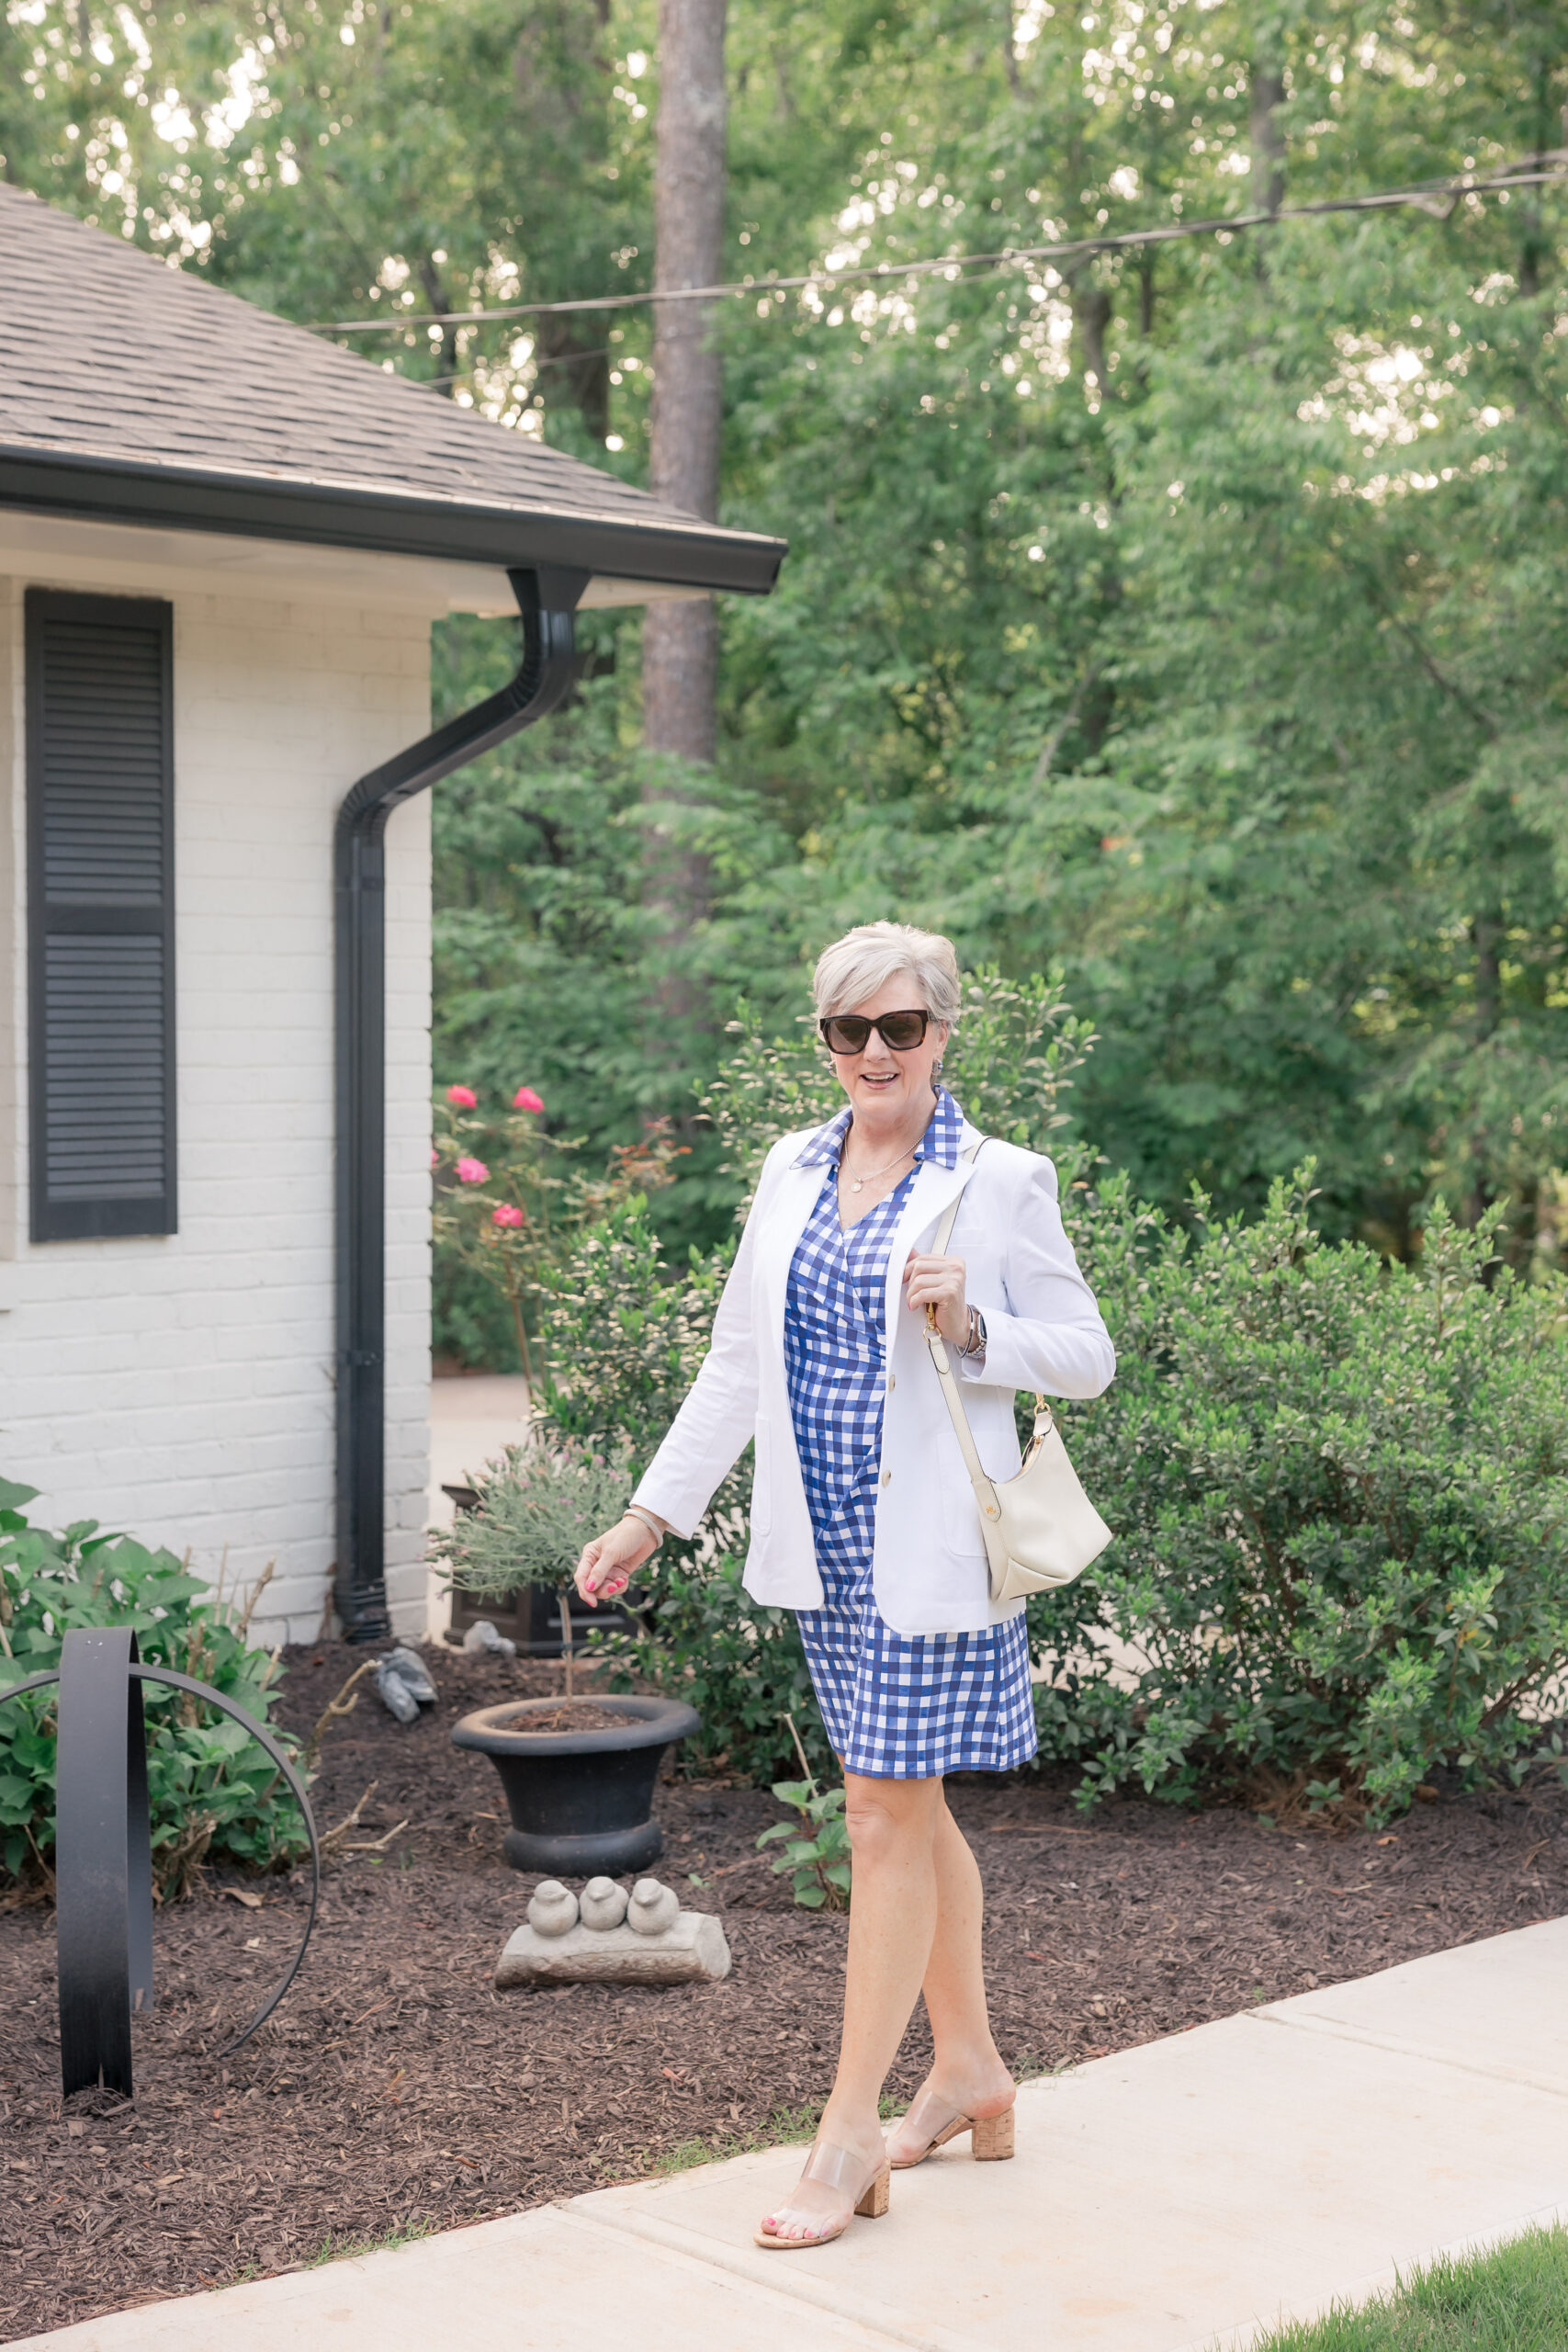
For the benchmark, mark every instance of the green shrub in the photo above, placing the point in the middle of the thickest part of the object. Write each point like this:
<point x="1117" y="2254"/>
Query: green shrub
<point x="817" y="1853"/>
<point x="1340" y="1495"/>
<point x="211" y="1789"/>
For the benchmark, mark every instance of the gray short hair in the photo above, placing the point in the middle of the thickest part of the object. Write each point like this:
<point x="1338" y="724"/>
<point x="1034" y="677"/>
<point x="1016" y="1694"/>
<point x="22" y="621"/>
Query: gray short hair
<point x="866" y="958"/>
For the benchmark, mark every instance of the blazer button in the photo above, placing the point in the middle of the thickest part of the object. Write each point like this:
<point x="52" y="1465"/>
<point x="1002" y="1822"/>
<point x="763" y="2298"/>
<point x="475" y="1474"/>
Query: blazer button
<point x="887" y="1477"/>
<point x="892" y="1380"/>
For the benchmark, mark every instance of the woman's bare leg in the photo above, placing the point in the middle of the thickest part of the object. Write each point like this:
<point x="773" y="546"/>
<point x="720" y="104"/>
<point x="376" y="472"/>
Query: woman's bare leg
<point x="894" y="1826"/>
<point x="967" y="2074"/>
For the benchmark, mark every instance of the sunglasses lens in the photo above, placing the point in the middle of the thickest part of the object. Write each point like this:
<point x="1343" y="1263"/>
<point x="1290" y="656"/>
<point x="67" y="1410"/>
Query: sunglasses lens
<point x="846" y="1033"/>
<point x="849" y="1033"/>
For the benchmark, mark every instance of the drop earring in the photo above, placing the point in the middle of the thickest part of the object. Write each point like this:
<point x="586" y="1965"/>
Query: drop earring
<point x="936" y="1071"/>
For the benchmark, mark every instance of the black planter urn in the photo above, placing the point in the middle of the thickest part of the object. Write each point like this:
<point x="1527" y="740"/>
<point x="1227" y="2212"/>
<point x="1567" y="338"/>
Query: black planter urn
<point x="581" y="1801"/>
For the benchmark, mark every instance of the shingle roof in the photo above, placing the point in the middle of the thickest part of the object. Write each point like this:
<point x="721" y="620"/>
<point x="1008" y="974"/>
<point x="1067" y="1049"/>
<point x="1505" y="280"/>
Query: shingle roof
<point x="140" y="393"/>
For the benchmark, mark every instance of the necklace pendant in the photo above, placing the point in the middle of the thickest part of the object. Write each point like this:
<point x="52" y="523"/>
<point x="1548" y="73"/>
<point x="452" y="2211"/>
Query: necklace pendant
<point x="857" y="1183"/>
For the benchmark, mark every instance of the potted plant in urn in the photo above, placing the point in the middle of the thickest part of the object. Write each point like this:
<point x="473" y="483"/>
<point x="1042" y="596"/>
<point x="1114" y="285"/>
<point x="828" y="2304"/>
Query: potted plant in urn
<point x="578" y="1770"/>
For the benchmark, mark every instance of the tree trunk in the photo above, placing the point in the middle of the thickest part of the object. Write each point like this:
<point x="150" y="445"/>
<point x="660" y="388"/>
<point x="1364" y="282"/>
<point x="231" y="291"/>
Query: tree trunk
<point x="1010" y="52"/>
<point x="1486" y="934"/>
<point x="575" y="374"/>
<point x="680" y="640"/>
<point x="1268" y="138"/>
<point x="447" y="350"/>
<point x="1091" y="316"/>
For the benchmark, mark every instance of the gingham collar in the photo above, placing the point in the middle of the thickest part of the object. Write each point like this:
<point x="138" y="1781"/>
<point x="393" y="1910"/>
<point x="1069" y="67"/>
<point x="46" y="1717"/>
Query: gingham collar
<point x="939" y="1143"/>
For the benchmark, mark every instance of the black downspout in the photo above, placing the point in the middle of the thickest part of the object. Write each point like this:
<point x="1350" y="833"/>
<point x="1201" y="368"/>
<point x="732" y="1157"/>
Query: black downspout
<point x="547" y="598"/>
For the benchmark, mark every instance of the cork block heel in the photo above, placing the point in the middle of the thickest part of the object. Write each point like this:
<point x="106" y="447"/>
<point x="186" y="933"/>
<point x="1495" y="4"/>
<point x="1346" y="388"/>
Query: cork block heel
<point x="991" y="2140"/>
<point x="873" y="2204"/>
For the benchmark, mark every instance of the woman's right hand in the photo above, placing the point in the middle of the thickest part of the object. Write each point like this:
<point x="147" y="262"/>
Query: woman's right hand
<point x="605" y="1569"/>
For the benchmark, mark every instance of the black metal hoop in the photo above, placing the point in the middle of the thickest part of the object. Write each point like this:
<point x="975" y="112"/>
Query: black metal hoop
<point x="104" y="1854"/>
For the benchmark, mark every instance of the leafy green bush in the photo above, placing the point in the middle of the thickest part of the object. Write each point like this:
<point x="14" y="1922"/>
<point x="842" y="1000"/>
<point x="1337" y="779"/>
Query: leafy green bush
<point x="817" y="1853"/>
<point x="211" y="1789"/>
<point x="1340" y="1494"/>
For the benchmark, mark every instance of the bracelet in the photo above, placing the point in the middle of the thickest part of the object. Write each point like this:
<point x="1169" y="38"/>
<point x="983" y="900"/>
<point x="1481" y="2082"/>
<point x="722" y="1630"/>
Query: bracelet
<point x="634" y="1510"/>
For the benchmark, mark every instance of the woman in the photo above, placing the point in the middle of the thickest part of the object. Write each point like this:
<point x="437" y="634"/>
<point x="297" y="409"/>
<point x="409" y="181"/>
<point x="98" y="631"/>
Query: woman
<point x="863" y="1519"/>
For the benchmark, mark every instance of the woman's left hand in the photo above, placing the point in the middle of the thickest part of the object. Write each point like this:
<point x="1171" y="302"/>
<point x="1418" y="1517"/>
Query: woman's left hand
<point x="939" y="1282"/>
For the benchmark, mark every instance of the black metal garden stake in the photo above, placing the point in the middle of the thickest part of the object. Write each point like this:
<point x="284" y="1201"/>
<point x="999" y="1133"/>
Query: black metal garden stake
<point x="103" y="1850"/>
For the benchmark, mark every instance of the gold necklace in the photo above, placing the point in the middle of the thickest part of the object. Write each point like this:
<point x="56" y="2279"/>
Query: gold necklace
<point x="859" y="1183"/>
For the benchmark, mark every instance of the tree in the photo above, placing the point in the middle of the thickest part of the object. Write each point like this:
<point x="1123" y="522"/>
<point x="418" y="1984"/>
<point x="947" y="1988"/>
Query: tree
<point x="1232" y="678"/>
<point x="680" y="640"/>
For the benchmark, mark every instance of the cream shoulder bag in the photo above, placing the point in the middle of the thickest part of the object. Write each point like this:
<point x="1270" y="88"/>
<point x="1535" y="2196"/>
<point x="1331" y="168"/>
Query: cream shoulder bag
<point x="1040" y="1528"/>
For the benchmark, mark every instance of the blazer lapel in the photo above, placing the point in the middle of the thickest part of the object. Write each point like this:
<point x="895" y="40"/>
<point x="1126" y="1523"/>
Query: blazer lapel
<point x="788" y="1211"/>
<point x="932" y="1191"/>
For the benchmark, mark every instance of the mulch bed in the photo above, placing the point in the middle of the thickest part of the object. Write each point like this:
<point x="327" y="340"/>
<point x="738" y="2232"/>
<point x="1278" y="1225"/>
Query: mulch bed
<point x="395" y="2090"/>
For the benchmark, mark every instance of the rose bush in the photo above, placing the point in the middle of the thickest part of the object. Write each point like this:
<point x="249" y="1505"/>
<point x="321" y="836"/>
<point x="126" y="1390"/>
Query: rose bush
<point x="508" y="1216"/>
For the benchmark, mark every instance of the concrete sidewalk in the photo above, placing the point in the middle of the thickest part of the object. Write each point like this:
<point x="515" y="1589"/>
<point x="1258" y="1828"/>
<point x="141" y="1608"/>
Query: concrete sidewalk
<point x="1180" y="2197"/>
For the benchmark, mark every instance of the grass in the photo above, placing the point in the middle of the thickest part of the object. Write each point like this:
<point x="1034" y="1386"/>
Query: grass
<point x="349" y="2249"/>
<point x="783" y="2125"/>
<point x="1513" y="2299"/>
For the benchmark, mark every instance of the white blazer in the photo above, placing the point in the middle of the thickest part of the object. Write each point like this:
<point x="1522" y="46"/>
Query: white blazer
<point x="1042" y="1332"/>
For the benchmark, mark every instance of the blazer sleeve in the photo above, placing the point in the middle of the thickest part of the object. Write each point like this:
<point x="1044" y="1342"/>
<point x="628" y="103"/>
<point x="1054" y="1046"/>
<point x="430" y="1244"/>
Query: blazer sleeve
<point x="706" y="1437"/>
<point x="1053" y="1338"/>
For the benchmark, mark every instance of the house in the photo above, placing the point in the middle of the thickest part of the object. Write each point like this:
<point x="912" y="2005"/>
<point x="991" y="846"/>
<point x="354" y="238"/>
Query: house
<point x="222" y="543"/>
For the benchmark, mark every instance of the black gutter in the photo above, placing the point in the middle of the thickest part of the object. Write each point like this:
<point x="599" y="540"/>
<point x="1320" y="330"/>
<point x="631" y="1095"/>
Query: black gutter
<point x="547" y="598"/>
<point x="386" y="520"/>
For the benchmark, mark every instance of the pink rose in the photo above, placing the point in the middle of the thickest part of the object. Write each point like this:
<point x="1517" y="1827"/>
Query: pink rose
<point x="462" y="1098"/>
<point x="472" y="1171"/>
<point x="506" y="1215"/>
<point x="526" y="1100"/>
<point x="434" y="1157"/>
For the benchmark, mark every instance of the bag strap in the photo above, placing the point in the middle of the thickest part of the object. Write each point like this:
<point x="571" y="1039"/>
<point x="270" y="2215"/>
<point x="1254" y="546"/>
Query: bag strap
<point x="985" y="1491"/>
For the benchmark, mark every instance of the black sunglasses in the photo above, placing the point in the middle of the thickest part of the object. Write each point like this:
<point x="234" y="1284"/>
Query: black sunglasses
<point x="850" y="1033"/>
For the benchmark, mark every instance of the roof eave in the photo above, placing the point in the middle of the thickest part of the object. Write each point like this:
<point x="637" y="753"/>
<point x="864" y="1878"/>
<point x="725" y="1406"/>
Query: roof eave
<point x="383" y="522"/>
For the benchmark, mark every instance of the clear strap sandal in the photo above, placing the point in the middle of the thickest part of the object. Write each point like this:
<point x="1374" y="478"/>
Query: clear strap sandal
<point x="930" y="2123"/>
<point x="863" y="2183"/>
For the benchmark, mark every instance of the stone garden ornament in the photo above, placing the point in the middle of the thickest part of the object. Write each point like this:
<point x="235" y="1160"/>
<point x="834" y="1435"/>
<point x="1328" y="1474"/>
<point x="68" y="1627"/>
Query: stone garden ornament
<point x="606" y="1937"/>
<point x="404" y="1685"/>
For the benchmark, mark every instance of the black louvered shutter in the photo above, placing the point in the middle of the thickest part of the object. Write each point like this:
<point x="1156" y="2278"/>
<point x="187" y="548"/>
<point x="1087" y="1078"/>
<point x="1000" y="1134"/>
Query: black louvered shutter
<point x="100" y="871"/>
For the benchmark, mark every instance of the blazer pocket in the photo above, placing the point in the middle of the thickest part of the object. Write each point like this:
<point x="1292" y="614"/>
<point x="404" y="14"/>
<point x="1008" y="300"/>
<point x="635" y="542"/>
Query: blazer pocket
<point x="960" y="1520"/>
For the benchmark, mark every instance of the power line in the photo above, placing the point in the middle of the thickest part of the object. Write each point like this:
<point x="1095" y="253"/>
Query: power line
<point x="1438" y="198"/>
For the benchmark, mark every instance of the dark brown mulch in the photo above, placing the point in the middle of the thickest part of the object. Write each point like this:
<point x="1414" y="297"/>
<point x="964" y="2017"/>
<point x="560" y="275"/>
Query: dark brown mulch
<point x="395" y="2089"/>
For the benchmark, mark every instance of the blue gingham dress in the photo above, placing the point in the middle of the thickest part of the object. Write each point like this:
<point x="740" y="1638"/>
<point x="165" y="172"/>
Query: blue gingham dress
<point x="896" y="1706"/>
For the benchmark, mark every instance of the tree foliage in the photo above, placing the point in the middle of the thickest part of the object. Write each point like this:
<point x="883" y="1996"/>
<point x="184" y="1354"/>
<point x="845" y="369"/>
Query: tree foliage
<point x="1192" y="617"/>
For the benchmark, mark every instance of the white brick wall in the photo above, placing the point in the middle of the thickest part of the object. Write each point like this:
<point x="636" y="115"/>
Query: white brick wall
<point x="181" y="1388"/>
